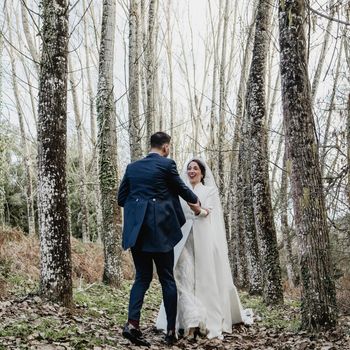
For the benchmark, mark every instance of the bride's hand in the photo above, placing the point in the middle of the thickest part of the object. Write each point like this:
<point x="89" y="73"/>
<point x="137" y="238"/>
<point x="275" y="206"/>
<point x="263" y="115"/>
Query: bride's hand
<point x="204" y="212"/>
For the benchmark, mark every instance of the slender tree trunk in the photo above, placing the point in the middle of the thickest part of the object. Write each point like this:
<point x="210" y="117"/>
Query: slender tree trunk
<point x="158" y="98"/>
<point x="107" y="141"/>
<point x="222" y="105"/>
<point x="330" y="111"/>
<point x="278" y="156"/>
<point x="2" y="178"/>
<point x="286" y="229"/>
<point x="151" y="69"/>
<point x="143" y="67"/>
<point x="186" y="73"/>
<point x="82" y="171"/>
<point x="348" y="146"/>
<point x="213" y="107"/>
<point x="323" y="52"/>
<point x="318" y="294"/>
<point x="94" y="160"/>
<point x="232" y="198"/>
<point x="27" y="69"/>
<point x="56" y="269"/>
<point x="256" y="110"/>
<point x="24" y="143"/>
<point x="28" y="35"/>
<point x="272" y="105"/>
<point x="244" y="197"/>
<point x="33" y="102"/>
<point x="134" y="82"/>
<point x="2" y="146"/>
<point x="171" y="77"/>
<point x="240" y="194"/>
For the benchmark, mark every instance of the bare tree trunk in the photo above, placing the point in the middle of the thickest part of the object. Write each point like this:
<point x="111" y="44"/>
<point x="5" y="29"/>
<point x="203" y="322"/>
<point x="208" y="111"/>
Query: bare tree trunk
<point x="185" y="70"/>
<point x="24" y="143"/>
<point x="171" y="78"/>
<point x="28" y="73"/>
<point x="28" y="35"/>
<point x="158" y="98"/>
<point x="278" y="156"/>
<point x="94" y="160"/>
<point x="82" y="171"/>
<point x="330" y="111"/>
<point x="134" y="82"/>
<point x="2" y="146"/>
<point x="318" y="294"/>
<point x="143" y="67"/>
<point x="348" y="147"/>
<point x="33" y="102"/>
<point x="256" y="110"/>
<point x="151" y="69"/>
<point x="222" y="105"/>
<point x="232" y="201"/>
<point x="56" y="269"/>
<point x="273" y="102"/>
<point x="244" y="210"/>
<point x="195" y="102"/>
<point x="286" y="229"/>
<point x="107" y="141"/>
<point x="2" y="177"/>
<point x="213" y="107"/>
<point x="323" y="52"/>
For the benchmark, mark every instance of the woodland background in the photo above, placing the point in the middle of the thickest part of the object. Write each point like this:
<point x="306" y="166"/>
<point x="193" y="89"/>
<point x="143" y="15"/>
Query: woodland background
<point x="260" y="89"/>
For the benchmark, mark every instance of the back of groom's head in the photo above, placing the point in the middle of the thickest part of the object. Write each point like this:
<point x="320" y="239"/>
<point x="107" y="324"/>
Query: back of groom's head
<point x="159" y="139"/>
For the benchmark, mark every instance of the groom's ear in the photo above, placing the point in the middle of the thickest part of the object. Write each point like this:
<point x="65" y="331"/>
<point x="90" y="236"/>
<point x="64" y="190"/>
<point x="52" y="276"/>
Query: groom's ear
<point x="165" y="148"/>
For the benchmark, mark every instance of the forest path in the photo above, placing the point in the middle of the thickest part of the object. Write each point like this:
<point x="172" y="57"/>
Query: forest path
<point x="29" y="322"/>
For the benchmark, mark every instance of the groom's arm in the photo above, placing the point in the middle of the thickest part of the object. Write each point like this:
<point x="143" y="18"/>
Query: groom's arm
<point x="123" y="191"/>
<point x="179" y="186"/>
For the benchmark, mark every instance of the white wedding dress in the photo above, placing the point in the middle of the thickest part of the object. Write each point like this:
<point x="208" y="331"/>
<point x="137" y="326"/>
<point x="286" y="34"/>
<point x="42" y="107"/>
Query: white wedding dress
<point x="207" y="297"/>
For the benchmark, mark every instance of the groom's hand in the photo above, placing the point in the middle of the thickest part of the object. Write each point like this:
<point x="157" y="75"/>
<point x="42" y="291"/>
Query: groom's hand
<point x="196" y="207"/>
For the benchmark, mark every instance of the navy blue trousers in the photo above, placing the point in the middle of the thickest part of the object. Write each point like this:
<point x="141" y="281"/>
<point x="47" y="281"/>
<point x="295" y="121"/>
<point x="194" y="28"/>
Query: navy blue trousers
<point x="143" y="262"/>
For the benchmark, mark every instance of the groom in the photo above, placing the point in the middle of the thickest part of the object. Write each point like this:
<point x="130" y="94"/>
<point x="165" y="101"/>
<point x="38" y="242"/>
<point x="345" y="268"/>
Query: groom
<point x="152" y="227"/>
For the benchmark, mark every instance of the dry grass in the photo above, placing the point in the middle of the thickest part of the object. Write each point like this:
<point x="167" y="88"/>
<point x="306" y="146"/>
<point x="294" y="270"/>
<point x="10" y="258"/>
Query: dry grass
<point x="20" y="254"/>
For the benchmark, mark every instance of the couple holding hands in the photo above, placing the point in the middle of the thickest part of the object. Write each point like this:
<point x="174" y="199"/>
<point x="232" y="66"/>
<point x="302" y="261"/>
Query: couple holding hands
<point x="177" y="223"/>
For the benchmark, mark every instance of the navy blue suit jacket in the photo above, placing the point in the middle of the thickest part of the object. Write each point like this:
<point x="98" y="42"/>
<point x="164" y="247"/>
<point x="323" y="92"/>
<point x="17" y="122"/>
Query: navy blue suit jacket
<point x="149" y="193"/>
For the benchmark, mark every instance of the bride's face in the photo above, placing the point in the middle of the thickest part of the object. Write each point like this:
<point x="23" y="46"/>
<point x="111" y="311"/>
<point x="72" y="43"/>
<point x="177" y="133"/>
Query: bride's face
<point x="194" y="173"/>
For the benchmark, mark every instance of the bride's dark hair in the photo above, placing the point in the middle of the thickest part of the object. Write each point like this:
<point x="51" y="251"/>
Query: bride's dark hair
<point x="201" y="167"/>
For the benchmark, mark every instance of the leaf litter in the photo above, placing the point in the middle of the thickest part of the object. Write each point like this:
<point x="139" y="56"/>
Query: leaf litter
<point x="96" y="322"/>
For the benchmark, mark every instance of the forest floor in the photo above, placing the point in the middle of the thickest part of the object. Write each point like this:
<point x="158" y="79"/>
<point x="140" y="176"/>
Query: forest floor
<point x="29" y="322"/>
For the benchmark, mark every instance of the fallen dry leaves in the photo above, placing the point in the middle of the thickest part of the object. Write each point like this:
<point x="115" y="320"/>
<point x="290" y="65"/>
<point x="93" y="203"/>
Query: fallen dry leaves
<point x="33" y="323"/>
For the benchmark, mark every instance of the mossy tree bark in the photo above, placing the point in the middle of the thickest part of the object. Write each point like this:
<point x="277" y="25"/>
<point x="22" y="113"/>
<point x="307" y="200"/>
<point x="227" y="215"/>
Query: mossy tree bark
<point x="107" y="141"/>
<point x="318" y="293"/>
<point x="56" y="270"/>
<point x="134" y="80"/>
<point x="256" y="116"/>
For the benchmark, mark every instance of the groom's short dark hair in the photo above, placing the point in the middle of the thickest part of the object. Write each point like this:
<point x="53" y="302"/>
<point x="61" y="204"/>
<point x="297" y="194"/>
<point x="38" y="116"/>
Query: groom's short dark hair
<point x="159" y="139"/>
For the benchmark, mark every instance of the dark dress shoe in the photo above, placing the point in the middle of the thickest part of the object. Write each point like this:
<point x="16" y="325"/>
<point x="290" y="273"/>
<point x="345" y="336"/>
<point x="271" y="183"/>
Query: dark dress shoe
<point x="170" y="338"/>
<point x="134" y="335"/>
<point x="181" y="333"/>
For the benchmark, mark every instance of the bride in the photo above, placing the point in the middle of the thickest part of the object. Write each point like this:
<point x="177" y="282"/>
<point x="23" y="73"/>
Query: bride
<point x="208" y="302"/>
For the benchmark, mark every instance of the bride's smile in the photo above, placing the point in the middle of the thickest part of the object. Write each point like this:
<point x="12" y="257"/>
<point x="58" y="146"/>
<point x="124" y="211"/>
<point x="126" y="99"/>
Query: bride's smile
<point x="194" y="173"/>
